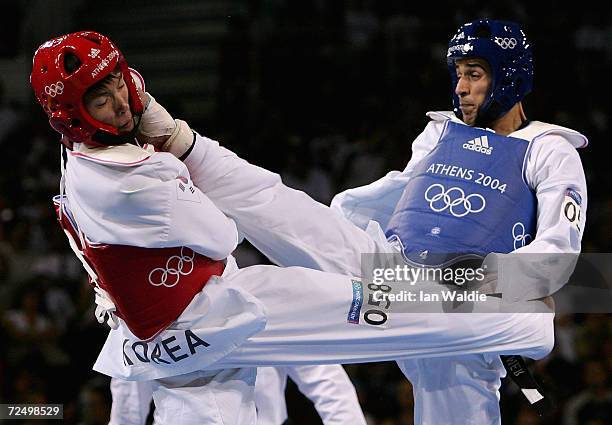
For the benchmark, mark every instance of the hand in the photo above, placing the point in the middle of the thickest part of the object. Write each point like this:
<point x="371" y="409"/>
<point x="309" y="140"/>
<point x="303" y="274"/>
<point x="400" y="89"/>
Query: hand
<point x="105" y="307"/>
<point x="158" y="128"/>
<point x="549" y="301"/>
<point x="488" y="285"/>
<point x="156" y="124"/>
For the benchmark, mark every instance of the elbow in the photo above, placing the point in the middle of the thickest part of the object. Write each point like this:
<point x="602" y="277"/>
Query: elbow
<point x="548" y="338"/>
<point x="227" y="245"/>
<point x="544" y="341"/>
<point x="221" y="244"/>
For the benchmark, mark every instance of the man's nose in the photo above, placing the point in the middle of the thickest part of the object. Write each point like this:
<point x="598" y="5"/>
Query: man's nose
<point x="462" y="88"/>
<point x="122" y="103"/>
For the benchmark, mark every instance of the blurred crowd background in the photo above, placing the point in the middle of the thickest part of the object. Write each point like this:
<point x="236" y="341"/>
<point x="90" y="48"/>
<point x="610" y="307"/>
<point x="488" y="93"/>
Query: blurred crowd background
<point x="330" y="94"/>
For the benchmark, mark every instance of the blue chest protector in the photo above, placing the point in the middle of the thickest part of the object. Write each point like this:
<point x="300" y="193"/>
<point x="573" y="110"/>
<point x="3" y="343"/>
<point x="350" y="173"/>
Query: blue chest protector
<point x="468" y="197"/>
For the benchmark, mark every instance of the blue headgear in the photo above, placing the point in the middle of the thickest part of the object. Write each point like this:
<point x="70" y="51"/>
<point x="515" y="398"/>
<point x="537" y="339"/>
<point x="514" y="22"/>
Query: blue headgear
<point x="506" y="49"/>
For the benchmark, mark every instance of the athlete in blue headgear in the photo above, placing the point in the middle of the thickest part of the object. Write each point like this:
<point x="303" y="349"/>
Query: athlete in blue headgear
<point x="156" y="237"/>
<point x="473" y="189"/>
<point x="482" y="179"/>
<point x="503" y="51"/>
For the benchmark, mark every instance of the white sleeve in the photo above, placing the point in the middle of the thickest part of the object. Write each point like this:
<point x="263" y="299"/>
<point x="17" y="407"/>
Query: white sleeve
<point x="152" y="205"/>
<point x="553" y="169"/>
<point x="424" y="143"/>
<point x="377" y="200"/>
<point x="555" y="172"/>
<point x="285" y="224"/>
<point x="331" y="391"/>
<point x="181" y="215"/>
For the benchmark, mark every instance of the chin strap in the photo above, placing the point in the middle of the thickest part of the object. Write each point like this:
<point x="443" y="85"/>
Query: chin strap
<point x="107" y="139"/>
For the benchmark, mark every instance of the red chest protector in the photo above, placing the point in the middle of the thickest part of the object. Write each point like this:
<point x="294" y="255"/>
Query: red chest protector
<point x="149" y="286"/>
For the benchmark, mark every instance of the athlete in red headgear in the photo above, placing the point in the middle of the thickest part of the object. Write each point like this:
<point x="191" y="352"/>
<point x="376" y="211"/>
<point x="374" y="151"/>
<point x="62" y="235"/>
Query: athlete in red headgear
<point x="64" y="69"/>
<point x="155" y="231"/>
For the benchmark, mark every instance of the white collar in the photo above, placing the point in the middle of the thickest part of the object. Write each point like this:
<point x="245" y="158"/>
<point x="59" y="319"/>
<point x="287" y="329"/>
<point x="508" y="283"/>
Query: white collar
<point x="125" y="155"/>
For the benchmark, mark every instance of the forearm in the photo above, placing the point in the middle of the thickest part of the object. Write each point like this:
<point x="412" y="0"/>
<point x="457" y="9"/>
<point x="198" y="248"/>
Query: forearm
<point x="544" y="265"/>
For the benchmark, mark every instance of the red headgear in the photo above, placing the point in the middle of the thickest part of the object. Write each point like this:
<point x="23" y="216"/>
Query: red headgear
<point x="60" y="93"/>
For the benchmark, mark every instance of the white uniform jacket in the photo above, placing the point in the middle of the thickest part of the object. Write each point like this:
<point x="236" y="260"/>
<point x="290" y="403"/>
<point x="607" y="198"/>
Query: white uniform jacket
<point x="553" y="166"/>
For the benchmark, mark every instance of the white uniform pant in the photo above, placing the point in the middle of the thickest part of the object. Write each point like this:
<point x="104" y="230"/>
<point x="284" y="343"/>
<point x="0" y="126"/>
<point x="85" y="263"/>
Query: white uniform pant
<point x="131" y="402"/>
<point x="307" y="322"/>
<point x="327" y="386"/>
<point x="458" y="390"/>
<point x="271" y="316"/>
<point x="206" y="397"/>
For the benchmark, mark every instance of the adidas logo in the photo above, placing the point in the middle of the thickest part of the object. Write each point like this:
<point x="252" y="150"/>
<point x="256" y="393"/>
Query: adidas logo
<point x="479" y="144"/>
<point x="94" y="53"/>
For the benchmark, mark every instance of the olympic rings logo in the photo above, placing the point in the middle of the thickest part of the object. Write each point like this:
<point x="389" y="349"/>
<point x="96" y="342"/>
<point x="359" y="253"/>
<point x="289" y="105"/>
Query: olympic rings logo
<point x="506" y="43"/>
<point x="454" y="199"/>
<point x="175" y="267"/>
<point x="520" y="238"/>
<point x="55" y="89"/>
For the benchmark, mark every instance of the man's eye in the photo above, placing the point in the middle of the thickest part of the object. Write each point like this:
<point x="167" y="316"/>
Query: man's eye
<point x="100" y="103"/>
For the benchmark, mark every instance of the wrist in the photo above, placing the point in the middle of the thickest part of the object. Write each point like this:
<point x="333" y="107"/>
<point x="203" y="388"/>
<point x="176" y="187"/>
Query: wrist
<point x="186" y="154"/>
<point x="181" y="141"/>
